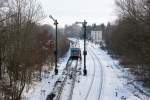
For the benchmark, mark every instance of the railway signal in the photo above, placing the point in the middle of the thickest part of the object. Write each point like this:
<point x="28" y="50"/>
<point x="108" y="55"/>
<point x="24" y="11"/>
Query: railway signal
<point x="55" y="52"/>
<point x="84" y="52"/>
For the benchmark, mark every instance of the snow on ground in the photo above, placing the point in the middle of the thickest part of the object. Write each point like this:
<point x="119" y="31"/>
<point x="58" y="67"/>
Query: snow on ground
<point x="114" y="88"/>
<point x="68" y="84"/>
<point x="40" y="90"/>
<point x="115" y="82"/>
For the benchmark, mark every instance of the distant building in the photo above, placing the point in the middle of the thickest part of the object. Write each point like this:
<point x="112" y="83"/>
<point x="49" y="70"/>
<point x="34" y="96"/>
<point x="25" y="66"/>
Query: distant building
<point x="96" y="36"/>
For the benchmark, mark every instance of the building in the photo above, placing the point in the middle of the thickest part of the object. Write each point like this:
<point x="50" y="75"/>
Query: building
<point x="96" y="36"/>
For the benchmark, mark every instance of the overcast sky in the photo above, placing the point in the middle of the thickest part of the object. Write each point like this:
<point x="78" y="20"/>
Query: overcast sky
<point x="70" y="11"/>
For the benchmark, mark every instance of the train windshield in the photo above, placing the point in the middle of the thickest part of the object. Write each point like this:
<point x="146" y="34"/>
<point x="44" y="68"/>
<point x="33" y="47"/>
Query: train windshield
<point x="75" y="50"/>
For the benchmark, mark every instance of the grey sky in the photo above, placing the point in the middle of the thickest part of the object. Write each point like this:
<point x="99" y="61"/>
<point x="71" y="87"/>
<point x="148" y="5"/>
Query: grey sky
<point x="69" y="11"/>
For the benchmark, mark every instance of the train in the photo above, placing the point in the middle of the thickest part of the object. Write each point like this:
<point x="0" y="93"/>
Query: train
<point x="75" y="53"/>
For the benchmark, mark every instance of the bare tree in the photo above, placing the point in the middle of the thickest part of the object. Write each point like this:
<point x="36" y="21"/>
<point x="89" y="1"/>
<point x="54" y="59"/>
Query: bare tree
<point x="129" y="36"/>
<point x="18" y="38"/>
<point x="136" y="9"/>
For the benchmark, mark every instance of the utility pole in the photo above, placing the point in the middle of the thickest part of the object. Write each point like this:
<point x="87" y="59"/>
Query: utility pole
<point x="84" y="52"/>
<point x="56" y="51"/>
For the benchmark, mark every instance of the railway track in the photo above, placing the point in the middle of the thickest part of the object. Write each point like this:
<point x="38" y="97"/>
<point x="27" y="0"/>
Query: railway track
<point x="68" y="74"/>
<point x="71" y="70"/>
<point x="73" y="81"/>
<point x="93" y="77"/>
<point x="101" y="69"/>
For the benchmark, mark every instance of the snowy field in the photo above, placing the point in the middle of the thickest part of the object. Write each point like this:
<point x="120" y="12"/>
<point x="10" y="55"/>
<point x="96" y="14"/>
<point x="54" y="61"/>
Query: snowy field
<point x="104" y="81"/>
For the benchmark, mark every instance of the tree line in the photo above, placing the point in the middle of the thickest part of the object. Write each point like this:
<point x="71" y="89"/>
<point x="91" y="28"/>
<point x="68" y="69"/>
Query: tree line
<point x="25" y="46"/>
<point x="129" y="37"/>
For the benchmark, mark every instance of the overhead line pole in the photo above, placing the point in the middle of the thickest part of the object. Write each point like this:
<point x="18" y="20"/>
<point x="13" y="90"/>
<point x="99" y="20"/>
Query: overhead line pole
<point x="84" y="52"/>
<point x="56" y="50"/>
